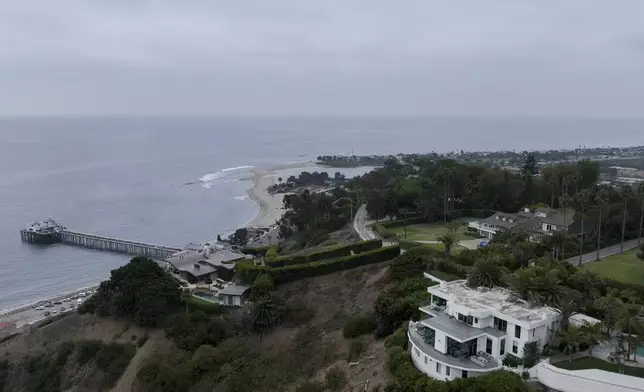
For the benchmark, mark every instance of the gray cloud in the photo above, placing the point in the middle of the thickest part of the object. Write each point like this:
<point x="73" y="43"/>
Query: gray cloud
<point x="256" y="57"/>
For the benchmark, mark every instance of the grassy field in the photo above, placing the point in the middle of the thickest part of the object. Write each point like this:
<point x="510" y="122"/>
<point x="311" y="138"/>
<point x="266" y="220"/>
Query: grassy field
<point x="455" y="250"/>
<point x="625" y="268"/>
<point x="428" y="232"/>
<point x="596" y="363"/>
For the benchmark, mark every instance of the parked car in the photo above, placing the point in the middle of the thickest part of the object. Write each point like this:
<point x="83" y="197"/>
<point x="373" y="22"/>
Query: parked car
<point x="54" y="311"/>
<point x="67" y="299"/>
<point x="46" y="314"/>
<point x="82" y="294"/>
<point x="40" y="307"/>
<point x="49" y="304"/>
<point x="57" y="302"/>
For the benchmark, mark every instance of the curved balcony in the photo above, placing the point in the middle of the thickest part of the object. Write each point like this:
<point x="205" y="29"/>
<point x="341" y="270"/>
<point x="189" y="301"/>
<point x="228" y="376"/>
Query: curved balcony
<point x="479" y="363"/>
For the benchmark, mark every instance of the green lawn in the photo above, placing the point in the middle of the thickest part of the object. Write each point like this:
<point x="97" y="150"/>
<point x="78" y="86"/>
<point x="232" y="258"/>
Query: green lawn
<point x="625" y="268"/>
<point x="427" y="232"/>
<point x="596" y="363"/>
<point x="455" y="250"/>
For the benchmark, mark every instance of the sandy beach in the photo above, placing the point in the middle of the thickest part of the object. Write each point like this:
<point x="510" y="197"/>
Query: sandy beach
<point x="271" y="207"/>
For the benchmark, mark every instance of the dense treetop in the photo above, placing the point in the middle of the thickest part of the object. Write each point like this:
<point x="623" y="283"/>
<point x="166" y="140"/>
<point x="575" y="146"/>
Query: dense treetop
<point x="140" y="290"/>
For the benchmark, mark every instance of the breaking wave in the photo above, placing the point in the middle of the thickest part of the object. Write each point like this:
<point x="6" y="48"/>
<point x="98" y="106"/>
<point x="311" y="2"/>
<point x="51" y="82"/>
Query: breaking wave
<point x="210" y="179"/>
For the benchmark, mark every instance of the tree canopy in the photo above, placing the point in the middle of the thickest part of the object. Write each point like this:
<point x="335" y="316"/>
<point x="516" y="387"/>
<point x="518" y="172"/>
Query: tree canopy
<point x="139" y="290"/>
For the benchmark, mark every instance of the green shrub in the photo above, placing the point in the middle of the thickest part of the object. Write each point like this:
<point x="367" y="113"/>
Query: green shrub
<point x="196" y="304"/>
<point x="271" y="253"/>
<point x="525" y="375"/>
<point x="310" y="386"/>
<point x="512" y="361"/>
<point x="45" y="370"/>
<point x="531" y="353"/>
<point x="334" y="252"/>
<point x="307" y="270"/>
<point x="382" y="231"/>
<point x="262" y="286"/>
<point x="255" y="251"/>
<point x="356" y="349"/>
<point x="192" y="330"/>
<point x="359" y="325"/>
<point x="86" y="350"/>
<point x="248" y="272"/>
<point x="398" y="338"/>
<point x="403" y="222"/>
<point x="113" y="359"/>
<point x="335" y="379"/>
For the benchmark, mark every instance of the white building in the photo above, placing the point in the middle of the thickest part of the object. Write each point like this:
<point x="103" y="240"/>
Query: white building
<point x="468" y="333"/>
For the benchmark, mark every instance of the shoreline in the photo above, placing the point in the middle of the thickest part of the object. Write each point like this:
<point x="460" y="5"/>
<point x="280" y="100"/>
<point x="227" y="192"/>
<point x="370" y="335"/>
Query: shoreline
<point x="25" y="315"/>
<point x="271" y="207"/>
<point x="270" y="211"/>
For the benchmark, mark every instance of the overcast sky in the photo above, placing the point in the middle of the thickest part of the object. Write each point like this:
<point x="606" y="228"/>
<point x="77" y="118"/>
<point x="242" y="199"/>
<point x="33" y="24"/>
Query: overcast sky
<point x="322" y="57"/>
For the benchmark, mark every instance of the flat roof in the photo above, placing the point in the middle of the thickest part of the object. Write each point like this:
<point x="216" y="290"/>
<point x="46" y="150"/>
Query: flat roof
<point x="453" y="327"/>
<point x="499" y="300"/>
<point x="458" y="329"/>
<point x="581" y="319"/>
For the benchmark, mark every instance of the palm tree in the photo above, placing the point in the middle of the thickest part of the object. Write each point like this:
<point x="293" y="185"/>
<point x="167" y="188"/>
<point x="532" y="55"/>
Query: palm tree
<point x="485" y="273"/>
<point x="445" y="175"/>
<point x="553" y="185"/>
<point x="593" y="335"/>
<point x="566" y="307"/>
<point x="628" y="321"/>
<point x="449" y="241"/>
<point x="525" y="283"/>
<point x="572" y="337"/>
<point x="267" y="312"/>
<point x="626" y="193"/>
<point x="583" y="198"/>
<point x="601" y="198"/>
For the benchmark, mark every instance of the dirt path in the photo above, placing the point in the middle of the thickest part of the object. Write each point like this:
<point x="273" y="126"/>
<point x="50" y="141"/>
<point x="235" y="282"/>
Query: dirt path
<point x="150" y="347"/>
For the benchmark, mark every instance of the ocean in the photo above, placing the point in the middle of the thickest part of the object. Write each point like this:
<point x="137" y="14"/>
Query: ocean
<point x="171" y="181"/>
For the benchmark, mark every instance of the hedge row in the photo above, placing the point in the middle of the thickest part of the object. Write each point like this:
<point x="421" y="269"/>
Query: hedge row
<point x="255" y="251"/>
<point x="403" y="222"/>
<point x="329" y="253"/>
<point x="382" y="231"/>
<point x="248" y="271"/>
<point x="611" y="283"/>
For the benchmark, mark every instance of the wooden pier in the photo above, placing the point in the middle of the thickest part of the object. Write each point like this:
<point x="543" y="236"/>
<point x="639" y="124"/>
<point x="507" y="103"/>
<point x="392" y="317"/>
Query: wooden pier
<point x="97" y="242"/>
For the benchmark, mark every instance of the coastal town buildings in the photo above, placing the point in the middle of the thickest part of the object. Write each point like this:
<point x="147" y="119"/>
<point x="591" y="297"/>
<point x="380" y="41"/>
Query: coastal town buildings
<point x="468" y="332"/>
<point x="535" y="224"/>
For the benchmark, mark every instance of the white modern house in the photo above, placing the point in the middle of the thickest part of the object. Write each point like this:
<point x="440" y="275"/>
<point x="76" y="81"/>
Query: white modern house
<point x="468" y="333"/>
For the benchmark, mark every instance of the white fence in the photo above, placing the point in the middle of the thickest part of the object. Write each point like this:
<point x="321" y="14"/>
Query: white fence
<point x="590" y="380"/>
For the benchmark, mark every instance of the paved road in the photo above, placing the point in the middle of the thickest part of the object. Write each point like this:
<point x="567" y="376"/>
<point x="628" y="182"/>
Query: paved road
<point x="604" y="252"/>
<point x="360" y="224"/>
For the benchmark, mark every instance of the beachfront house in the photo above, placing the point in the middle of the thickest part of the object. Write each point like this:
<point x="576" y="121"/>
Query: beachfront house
<point x="467" y="333"/>
<point x="234" y="295"/>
